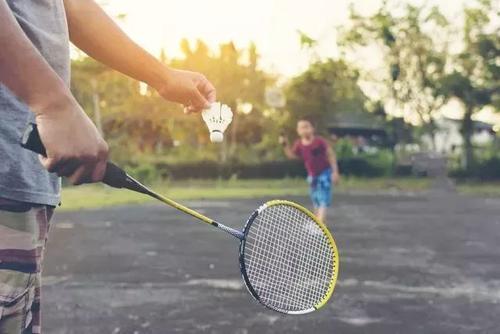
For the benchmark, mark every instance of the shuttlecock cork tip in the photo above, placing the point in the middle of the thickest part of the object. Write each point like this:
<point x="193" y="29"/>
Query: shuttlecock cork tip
<point x="216" y="137"/>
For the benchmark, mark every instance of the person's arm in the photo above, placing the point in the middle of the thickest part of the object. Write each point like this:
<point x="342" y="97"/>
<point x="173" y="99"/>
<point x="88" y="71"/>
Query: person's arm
<point x="332" y="158"/>
<point x="94" y="32"/>
<point x="287" y="148"/>
<point x="289" y="152"/>
<point x="74" y="147"/>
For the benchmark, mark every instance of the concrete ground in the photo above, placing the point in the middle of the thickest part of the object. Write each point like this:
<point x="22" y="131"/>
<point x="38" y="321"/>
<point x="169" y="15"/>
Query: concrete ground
<point x="409" y="264"/>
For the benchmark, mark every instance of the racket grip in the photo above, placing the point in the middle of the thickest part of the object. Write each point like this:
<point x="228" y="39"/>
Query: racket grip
<point x="31" y="140"/>
<point x="114" y="176"/>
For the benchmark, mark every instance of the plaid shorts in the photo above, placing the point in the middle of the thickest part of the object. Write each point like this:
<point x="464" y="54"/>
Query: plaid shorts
<point x="23" y="234"/>
<point x="320" y="188"/>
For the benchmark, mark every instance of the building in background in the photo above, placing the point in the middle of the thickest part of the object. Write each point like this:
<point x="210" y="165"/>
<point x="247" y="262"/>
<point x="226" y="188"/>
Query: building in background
<point x="366" y="131"/>
<point x="449" y="140"/>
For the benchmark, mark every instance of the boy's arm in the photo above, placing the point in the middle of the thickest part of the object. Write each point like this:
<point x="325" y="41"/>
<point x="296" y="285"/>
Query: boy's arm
<point x="290" y="154"/>
<point x="93" y="31"/>
<point x="332" y="157"/>
<point x="74" y="146"/>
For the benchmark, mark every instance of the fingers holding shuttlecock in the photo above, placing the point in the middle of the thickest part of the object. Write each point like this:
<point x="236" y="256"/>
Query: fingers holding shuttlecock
<point x="217" y="118"/>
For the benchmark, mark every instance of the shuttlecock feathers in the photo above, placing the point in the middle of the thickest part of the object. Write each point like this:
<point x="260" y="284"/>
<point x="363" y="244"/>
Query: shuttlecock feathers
<point x="217" y="118"/>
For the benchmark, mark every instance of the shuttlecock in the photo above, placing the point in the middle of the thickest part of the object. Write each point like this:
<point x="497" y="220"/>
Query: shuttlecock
<point x="217" y="117"/>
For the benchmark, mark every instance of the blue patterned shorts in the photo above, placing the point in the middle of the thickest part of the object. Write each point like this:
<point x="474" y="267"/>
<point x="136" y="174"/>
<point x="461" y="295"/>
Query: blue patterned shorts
<point x="320" y="188"/>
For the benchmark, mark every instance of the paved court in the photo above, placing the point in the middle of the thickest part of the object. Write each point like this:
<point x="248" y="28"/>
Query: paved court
<point x="409" y="264"/>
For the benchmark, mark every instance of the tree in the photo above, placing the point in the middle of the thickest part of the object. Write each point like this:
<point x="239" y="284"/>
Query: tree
<point x="239" y="82"/>
<point x="324" y="88"/>
<point x="139" y="122"/>
<point x="475" y="78"/>
<point x="414" y="58"/>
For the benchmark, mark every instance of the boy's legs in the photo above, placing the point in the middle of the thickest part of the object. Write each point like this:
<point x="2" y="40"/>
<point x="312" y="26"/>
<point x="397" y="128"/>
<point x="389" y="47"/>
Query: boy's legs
<point x="321" y="193"/>
<point x="23" y="234"/>
<point x="320" y="212"/>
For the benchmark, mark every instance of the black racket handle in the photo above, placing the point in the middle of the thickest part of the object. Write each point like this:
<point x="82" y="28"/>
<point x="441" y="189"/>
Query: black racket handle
<point x="114" y="175"/>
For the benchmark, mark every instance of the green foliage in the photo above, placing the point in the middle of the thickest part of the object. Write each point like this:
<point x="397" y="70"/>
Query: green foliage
<point x="487" y="165"/>
<point x="324" y="89"/>
<point x="421" y="75"/>
<point x="306" y="41"/>
<point x="474" y="80"/>
<point x="414" y="60"/>
<point x="344" y="149"/>
<point x="484" y="170"/>
<point x="422" y="72"/>
<point x="147" y="173"/>
<point x="139" y="124"/>
<point x="249" y="170"/>
<point x="382" y="160"/>
<point x="368" y="164"/>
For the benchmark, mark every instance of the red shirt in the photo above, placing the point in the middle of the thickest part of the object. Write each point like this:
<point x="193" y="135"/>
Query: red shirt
<point x="315" y="155"/>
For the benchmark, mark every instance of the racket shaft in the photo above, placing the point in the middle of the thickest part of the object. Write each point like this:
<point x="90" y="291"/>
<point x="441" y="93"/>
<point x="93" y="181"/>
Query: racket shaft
<point x="235" y="233"/>
<point x="182" y="208"/>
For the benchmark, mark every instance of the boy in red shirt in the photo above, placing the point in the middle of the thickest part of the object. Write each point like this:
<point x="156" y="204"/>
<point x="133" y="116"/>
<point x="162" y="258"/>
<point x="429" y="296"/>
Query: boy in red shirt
<point x="320" y="162"/>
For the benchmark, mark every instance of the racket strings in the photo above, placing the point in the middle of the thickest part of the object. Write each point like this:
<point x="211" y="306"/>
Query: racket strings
<point x="294" y="276"/>
<point x="289" y="259"/>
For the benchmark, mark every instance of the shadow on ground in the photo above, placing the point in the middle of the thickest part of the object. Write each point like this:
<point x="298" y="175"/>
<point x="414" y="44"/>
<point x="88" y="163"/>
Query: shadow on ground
<point x="409" y="264"/>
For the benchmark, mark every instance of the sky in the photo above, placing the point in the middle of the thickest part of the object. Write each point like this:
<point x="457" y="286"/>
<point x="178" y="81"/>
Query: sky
<point x="271" y="24"/>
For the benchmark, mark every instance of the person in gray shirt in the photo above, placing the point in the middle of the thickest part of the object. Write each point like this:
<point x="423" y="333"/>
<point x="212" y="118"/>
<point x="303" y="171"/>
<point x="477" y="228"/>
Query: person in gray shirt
<point x="34" y="87"/>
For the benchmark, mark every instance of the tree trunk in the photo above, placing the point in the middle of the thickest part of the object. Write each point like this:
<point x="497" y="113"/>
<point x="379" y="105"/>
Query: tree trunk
<point x="432" y="133"/>
<point x="467" y="132"/>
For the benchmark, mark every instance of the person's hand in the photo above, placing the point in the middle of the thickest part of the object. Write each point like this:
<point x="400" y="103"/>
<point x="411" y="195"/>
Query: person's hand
<point x="191" y="89"/>
<point x="283" y="140"/>
<point x="335" y="177"/>
<point x="75" y="149"/>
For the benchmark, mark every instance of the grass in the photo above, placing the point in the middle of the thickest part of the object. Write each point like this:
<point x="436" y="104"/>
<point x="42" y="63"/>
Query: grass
<point x="480" y="188"/>
<point x="97" y="196"/>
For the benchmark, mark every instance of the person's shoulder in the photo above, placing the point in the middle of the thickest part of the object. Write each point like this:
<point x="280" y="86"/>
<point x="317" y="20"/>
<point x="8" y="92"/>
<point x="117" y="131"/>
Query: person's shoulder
<point x="322" y="140"/>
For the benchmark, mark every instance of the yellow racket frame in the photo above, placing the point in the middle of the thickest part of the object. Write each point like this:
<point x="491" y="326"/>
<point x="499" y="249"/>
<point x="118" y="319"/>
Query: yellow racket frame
<point x="331" y="241"/>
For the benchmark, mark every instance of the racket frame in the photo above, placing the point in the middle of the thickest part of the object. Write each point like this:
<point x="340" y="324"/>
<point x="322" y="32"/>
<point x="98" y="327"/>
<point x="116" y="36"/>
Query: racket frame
<point x="325" y="231"/>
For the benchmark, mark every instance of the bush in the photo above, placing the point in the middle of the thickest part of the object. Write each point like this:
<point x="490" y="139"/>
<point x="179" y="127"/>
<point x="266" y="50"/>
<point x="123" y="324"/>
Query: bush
<point x="403" y="170"/>
<point x="212" y="170"/>
<point x="490" y="169"/>
<point x="361" y="167"/>
<point x="368" y="164"/>
<point x="485" y="170"/>
<point x="147" y="173"/>
<point x="374" y="165"/>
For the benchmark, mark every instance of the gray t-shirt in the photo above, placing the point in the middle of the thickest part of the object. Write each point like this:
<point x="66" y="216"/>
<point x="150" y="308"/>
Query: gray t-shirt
<point x="22" y="177"/>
